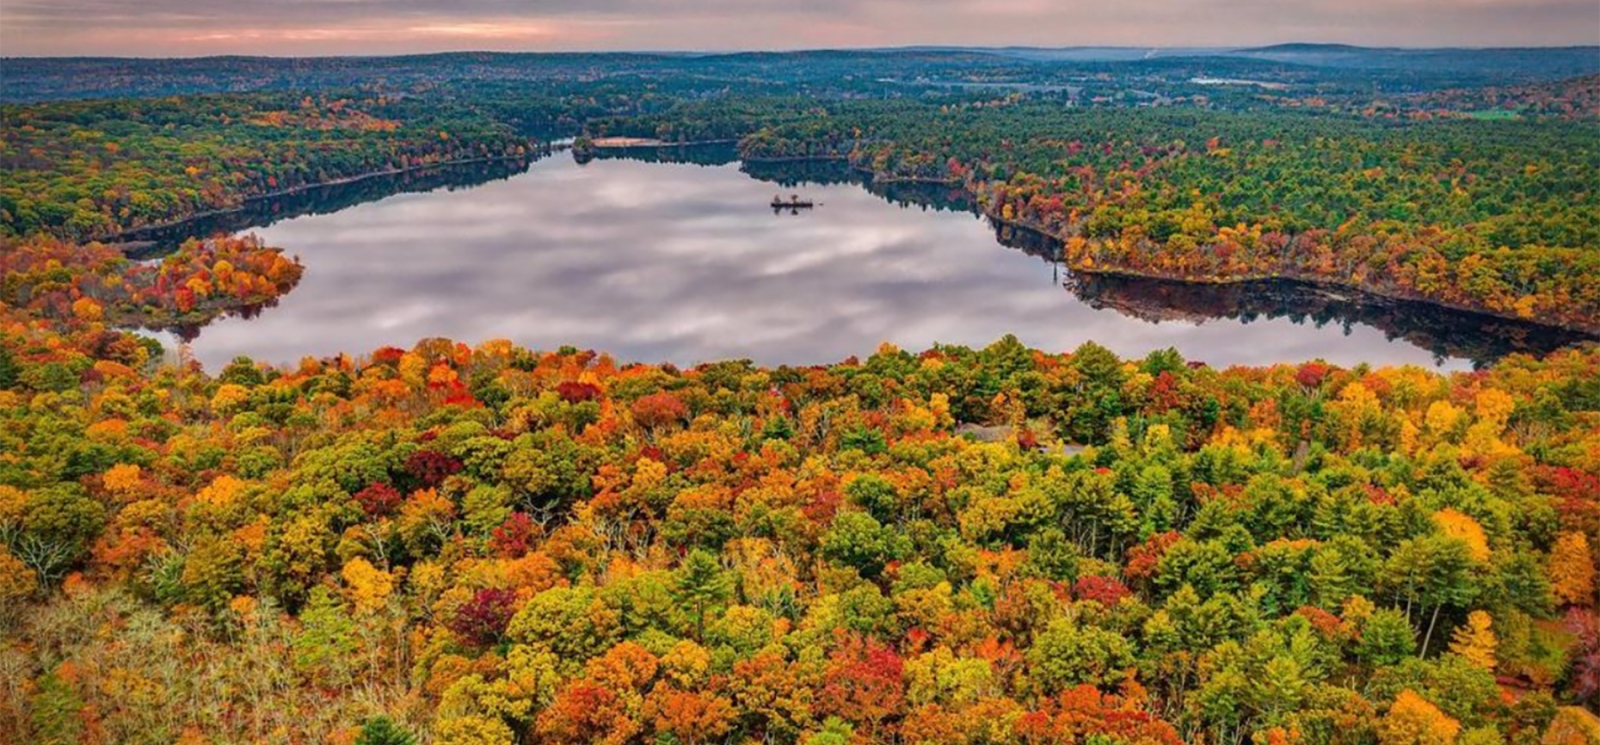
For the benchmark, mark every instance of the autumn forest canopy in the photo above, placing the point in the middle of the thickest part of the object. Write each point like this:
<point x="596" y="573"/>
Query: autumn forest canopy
<point x="476" y="543"/>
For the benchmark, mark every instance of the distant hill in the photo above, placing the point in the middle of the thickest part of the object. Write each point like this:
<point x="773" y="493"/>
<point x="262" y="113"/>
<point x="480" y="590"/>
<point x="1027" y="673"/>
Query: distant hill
<point x="1449" y="66"/>
<point x="1301" y="47"/>
<point x="1079" y="54"/>
<point x="1328" y="69"/>
<point x="1504" y="65"/>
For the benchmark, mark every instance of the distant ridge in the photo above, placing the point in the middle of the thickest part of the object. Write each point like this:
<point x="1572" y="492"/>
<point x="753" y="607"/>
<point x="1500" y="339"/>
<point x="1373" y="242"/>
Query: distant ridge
<point x="1068" y="52"/>
<point x="1306" y="46"/>
<point x="1392" y="70"/>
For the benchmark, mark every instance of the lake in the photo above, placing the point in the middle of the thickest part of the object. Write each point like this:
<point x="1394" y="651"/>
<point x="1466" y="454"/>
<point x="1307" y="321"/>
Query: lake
<point x="653" y="259"/>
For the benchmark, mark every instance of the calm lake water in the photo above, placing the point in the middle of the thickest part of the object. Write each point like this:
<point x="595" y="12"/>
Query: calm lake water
<point x="686" y="262"/>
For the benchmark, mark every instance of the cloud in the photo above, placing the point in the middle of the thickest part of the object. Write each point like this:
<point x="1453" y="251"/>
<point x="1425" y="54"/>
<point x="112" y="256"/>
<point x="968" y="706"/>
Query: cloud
<point x="293" y="27"/>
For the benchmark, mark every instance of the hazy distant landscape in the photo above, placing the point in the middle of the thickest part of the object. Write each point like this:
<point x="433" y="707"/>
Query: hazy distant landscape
<point x="901" y="394"/>
<point x="1323" y="67"/>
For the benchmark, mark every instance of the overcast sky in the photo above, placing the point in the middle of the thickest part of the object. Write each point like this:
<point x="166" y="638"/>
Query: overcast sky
<point x="315" y="27"/>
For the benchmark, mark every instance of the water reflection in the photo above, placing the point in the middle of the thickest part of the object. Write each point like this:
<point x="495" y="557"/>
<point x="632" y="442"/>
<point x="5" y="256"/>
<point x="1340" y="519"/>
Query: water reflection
<point x="257" y="213"/>
<point x="683" y="260"/>
<point x="1446" y="333"/>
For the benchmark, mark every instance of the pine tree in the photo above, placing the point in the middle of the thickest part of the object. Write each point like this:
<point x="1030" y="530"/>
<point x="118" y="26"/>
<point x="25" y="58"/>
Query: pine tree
<point x="10" y="372"/>
<point x="381" y="730"/>
<point x="701" y="584"/>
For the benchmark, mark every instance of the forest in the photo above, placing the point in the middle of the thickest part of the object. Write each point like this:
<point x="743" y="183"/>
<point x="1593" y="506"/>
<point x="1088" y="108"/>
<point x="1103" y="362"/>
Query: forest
<point x="477" y="543"/>
<point x="490" y="544"/>
<point x="97" y="169"/>
<point x="1335" y="71"/>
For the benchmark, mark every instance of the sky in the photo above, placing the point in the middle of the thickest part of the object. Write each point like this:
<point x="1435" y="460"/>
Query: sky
<point x="331" y="27"/>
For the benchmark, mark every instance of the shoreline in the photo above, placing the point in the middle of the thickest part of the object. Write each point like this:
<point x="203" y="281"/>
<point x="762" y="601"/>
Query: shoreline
<point x="1592" y="331"/>
<point x="1321" y="282"/>
<point x="875" y="177"/>
<point x="113" y="239"/>
<point x="640" y="143"/>
<point x="796" y="159"/>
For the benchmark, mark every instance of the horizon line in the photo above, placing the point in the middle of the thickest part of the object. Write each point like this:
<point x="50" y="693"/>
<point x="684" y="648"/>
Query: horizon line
<point x="799" y="50"/>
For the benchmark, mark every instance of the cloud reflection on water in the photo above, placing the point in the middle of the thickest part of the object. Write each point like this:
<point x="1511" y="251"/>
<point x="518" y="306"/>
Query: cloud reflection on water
<point x="685" y="263"/>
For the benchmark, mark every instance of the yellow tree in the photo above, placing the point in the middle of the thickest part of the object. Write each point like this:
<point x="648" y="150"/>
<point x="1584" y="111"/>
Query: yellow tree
<point x="1572" y="726"/>
<point x="369" y="586"/>
<point x="87" y="309"/>
<point x="1442" y="419"/>
<point x="17" y="582"/>
<point x="471" y="730"/>
<point x="1460" y="525"/>
<point x="1359" y="410"/>
<point x="1413" y="720"/>
<point x="1493" y="409"/>
<point x="1572" y="569"/>
<point x="124" y="480"/>
<point x="1475" y="640"/>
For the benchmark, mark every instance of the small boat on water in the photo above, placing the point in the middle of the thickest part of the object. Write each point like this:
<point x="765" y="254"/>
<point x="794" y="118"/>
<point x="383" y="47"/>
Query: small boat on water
<point x="794" y="203"/>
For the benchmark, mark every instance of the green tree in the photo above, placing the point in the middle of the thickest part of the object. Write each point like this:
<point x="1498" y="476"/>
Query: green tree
<point x="1430" y="574"/>
<point x="327" y="642"/>
<point x="381" y="730"/>
<point x="858" y="540"/>
<point x="570" y="622"/>
<point x="57" y="525"/>
<point x="10" y="371"/>
<point x="1279" y="690"/>
<point x="702" y="584"/>
<point x="1069" y="654"/>
<point x="875" y="495"/>
<point x="1208" y="566"/>
<point x="1386" y="638"/>
<point x="56" y="710"/>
